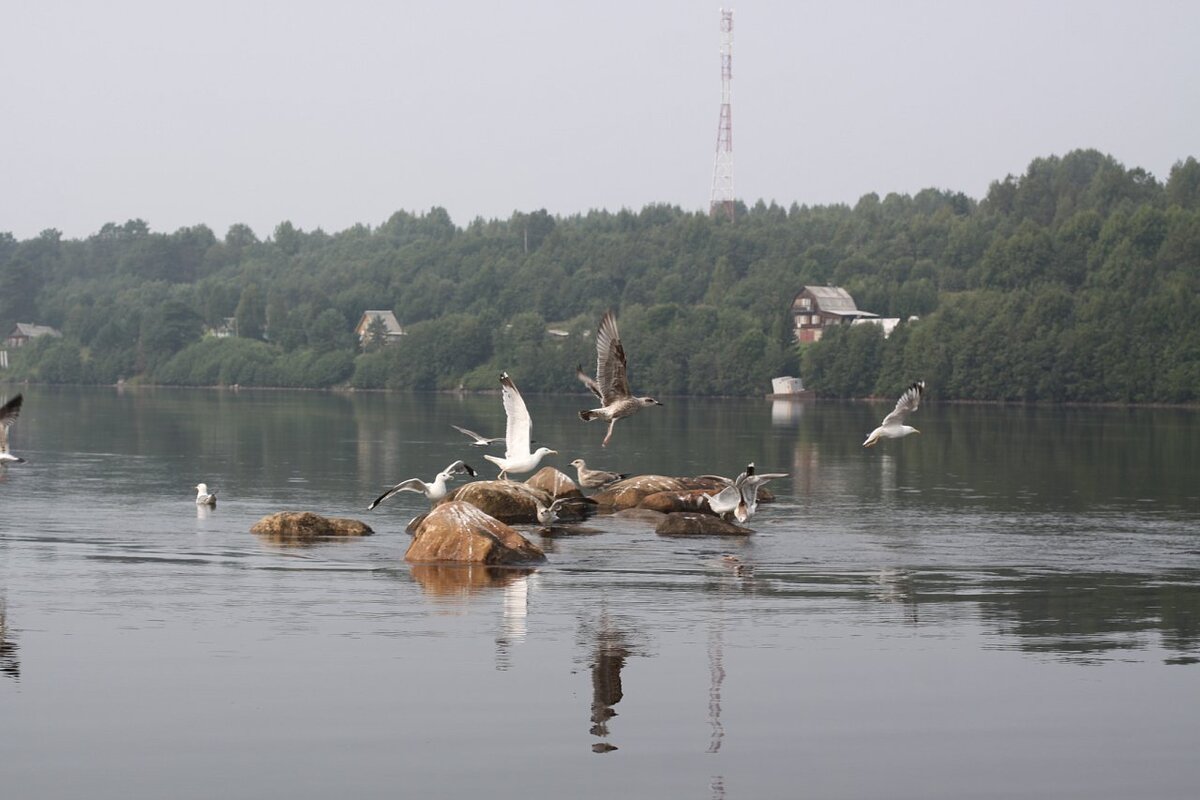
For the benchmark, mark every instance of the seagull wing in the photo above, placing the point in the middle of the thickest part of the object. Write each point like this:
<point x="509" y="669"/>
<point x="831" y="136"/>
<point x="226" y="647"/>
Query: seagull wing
<point x="587" y="381"/>
<point x="410" y="485"/>
<point x="458" y="467"/>
<point x="611" y="371"/>
<point x="908" y="403"/>
<point x="8" y="415"/>
<point x="520" y="426"/>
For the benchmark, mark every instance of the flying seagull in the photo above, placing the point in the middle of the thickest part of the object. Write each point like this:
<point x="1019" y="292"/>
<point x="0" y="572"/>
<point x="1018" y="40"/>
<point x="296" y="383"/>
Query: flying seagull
<point x="611" y="384"/>
<point x="517" y="457"/>
<point x="893" y="426"/>
<point x="434" y="491"/>
<point x="8" y="415"/>
<point x="594" y="478"/>
<point x="740" y="495"/>
<point x="204" y="497"/>
<point x="477" y="440"/>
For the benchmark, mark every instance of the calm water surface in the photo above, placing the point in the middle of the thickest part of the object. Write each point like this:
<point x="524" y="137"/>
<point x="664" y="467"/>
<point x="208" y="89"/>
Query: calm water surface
<point x="1005" y="606"/>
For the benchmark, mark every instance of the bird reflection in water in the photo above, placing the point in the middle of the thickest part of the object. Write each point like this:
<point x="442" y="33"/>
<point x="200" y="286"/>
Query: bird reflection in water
<point x="9" y="664"/>
<point x="610" y="649"/>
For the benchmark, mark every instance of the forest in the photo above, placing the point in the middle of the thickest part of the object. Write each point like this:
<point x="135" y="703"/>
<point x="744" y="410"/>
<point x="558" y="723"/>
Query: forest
<point x="1078" y="281"/>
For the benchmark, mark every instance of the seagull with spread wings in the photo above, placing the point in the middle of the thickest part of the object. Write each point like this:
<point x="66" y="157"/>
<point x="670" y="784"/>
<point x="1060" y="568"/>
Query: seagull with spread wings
<point x="434" y="491"/>
<point x="476" y="439"/>
<point x="8" y="415"/>
<point x="893" y="426"/>
<point x="517" y="433"/>
<point x="611" y="384"/>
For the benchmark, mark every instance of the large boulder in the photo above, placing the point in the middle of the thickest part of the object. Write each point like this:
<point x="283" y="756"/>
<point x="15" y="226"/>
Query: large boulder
<point x="629" y="492"/>
<point x="669" y="502"/>
<point x="690" y="524"/>
<point x="507" y="501"/>
<point x="554" y="483"/>
<point x="304" y="527"/>
<point x="459" y="532"/>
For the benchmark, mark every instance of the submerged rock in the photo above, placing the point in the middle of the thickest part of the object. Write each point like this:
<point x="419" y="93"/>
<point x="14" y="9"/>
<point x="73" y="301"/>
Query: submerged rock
<point x="459" y="532"/>
<point x="507" y="501"/>
<point x="305" y="526"/>
<point x="668" y="502"/>
<point x="629" y="492"/>
<point x="691" y="524"/>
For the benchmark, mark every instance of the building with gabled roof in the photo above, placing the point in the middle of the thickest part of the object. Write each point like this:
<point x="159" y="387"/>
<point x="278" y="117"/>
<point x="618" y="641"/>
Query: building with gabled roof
<point x="22" y="332"/>
<point x="816" y="308"/>
<point x="391" y="326"/>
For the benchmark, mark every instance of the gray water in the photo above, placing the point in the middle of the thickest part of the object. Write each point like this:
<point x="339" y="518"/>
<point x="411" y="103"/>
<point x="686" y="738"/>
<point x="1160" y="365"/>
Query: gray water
<point x="1005" y="606"/>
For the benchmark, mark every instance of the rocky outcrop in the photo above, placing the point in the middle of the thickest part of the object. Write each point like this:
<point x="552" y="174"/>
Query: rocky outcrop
<point x="507" y="501"/>
<point x="459" y="532"/>
<point x="629" y="492"/>
<point x="691" y="524"/>
<point x="303" y="527"/>
<point x="554" y="483"/>
<point x="669" y="502"/>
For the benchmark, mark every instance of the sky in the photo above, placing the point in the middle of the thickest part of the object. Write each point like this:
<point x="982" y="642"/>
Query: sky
<point x="328" y="115"/>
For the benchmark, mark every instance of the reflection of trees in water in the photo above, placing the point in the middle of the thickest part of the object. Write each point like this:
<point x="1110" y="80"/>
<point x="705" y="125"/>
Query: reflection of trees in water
<point x="9" y="663"/>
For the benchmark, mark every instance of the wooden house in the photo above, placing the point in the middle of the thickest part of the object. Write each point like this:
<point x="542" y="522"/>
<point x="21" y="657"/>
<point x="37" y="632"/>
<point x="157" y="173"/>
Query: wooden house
<point x="390" y="324"/>
<point x="24" y="331"/>
<point x="816" y="308"/>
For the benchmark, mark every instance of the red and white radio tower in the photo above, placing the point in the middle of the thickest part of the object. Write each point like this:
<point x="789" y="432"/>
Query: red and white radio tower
<point x="721" y="201"/>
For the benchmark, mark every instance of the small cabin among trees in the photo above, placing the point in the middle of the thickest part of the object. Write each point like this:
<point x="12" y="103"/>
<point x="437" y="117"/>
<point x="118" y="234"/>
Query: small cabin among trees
<point x="22" y="332"/>
<point x="377" y="328"/>
<point x="816" y="308"/>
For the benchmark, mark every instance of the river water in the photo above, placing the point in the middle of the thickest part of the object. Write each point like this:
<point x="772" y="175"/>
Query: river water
<point x="1005" y="606"/>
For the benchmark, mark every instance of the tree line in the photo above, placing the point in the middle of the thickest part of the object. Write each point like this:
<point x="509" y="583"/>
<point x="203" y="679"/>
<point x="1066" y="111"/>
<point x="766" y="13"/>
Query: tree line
<point x="1076" y="281"/>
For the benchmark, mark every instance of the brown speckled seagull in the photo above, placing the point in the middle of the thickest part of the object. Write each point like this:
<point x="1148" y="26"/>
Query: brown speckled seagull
<point x="8" y="415"/>
<point x="612" y="382"/>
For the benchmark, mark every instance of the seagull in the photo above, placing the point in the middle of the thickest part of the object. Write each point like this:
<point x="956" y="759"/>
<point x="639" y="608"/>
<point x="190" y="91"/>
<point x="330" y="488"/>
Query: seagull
<point x="740" y="496"/>
<point x="204" y="497"/>
<point x="8" y="415"/>
<point x="594" y="478"/>
<point x="893" y="426"/>
<point x="434" y="491"/>
<point x="517" y="457"/>
<point x="611" y="384"/>
<point x="478" y="441"/>
<point x="548" y="515"/>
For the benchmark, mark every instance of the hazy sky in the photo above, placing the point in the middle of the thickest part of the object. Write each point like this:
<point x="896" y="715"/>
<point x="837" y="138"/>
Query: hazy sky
<point x="334" y="113"/>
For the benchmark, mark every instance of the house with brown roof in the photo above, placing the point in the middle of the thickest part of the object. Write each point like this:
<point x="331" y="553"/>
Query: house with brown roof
<point x="816" y="308"/>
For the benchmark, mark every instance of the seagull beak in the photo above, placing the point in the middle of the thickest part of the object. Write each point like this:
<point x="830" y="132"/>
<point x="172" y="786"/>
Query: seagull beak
<point x="915" y="430"/>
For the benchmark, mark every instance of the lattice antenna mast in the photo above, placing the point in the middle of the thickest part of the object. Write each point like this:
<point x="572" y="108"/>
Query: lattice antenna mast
<point x="721" y="200"/>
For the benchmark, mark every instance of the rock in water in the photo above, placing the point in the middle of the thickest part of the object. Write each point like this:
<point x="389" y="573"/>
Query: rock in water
<point x="554" y="483"/>
<point x="305" y="526"/>
<point x="507" y="501"/>
<point x="629" y="492"/>
<point x="692" y="524"/>
<point x="668" y="502"/>
<point x="459" y="532"/>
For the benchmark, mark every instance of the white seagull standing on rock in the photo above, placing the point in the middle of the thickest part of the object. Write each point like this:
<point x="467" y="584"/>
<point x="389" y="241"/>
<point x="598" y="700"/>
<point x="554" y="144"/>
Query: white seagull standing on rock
<point x="433" y="491"/>
<point x="612" y="382"/>
<point x="8" y="415"/>
<point x="893" y="426"/>
<point x="204" y="497"/>
<point x="517" y="433"/>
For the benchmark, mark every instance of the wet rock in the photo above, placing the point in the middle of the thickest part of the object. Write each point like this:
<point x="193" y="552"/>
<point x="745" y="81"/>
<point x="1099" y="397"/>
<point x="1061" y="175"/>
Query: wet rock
<point x="641" y="515"/>
<point x="713" y="485"/>
<point x="459" y="532"/>
<point x="629" y="492"/>
<point x="554" y="483"/>
<point x="668" y="502"/>
<point x="305" y="526"/>
<point x="507" y="501"/>
<point x="691" y="524"/>
<point x="456" y="580"/>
